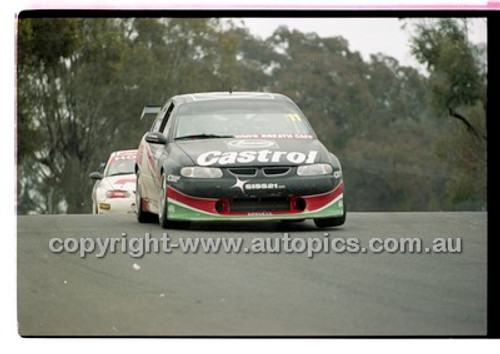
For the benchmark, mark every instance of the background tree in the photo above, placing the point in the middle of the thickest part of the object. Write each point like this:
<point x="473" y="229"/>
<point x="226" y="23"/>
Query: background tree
<point x="68" y="72"/>
<point x="457" y="95"/>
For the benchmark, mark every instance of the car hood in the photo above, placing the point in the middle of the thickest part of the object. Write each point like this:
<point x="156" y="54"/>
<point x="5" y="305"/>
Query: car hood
<point x="225" y="152"/>
<point x="123" y="182"/>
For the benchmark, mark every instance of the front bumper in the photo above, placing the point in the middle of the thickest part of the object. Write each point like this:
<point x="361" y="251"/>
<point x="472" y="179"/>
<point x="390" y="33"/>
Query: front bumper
<point x="116" y="206"/>
<point x="292" y="205"/>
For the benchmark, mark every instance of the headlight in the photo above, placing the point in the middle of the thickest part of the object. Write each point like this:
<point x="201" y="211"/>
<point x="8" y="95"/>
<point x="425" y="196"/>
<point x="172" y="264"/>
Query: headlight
<point x="315" y="170"/>
<point x="201" y="172"/>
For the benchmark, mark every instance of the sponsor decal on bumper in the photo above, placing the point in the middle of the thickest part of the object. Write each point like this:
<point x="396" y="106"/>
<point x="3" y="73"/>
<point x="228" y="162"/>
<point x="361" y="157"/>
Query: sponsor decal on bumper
<point x="184" y="207"/>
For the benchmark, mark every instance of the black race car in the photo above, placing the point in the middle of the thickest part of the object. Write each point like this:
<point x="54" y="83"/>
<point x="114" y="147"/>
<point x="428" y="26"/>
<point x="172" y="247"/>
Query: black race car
<point x="235" y="156"/>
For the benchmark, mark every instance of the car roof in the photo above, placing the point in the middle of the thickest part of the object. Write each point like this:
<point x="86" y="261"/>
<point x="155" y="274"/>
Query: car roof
<point x="210" y="96"/>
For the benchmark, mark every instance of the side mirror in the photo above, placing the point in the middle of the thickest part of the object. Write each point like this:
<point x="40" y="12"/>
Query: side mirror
<point x="156" y="138"/>
<point x="96" y="175"/>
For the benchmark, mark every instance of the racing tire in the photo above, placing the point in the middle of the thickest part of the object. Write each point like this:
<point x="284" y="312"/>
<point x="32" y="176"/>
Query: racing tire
<point x="330" y="222"/>
<point x="142" y="216"/>
<point x="162" y="203"/>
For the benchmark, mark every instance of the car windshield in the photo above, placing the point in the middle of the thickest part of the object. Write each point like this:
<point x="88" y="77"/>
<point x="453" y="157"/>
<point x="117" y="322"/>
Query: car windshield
<point x="121" y="167"/>
<point x="223" y="118"/>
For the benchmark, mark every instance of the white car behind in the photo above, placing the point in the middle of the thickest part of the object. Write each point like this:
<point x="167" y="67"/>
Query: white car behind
<point x="114" y="189"/>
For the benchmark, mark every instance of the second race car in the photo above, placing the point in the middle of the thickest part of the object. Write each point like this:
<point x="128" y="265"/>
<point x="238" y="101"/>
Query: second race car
<point x="114" y="189"/>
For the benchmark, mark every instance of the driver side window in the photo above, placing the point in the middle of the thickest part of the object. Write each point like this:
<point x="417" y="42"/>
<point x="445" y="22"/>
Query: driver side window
<point x="162" y="118"/>
<point x="166" y="119"/>
<point x="156" y="124"/>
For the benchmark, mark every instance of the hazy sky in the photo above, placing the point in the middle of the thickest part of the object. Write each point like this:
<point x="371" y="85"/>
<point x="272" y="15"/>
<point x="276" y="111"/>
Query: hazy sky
<point x="366" y="35"/>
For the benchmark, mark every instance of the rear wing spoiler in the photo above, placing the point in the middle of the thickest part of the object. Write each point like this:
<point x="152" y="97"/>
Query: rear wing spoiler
<point x="150" y="111"/>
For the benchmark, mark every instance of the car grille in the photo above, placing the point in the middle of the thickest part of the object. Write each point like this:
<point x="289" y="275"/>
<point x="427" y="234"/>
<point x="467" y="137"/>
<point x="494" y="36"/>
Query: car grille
<point x="253" y="171"/>
<point x="245" y="205"/>
<point x="275" y="171"/>
<point x="243" y="171"/>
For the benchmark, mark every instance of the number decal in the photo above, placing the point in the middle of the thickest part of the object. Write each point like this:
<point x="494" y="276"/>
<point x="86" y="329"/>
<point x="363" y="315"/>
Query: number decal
<point x="294" y="117"/>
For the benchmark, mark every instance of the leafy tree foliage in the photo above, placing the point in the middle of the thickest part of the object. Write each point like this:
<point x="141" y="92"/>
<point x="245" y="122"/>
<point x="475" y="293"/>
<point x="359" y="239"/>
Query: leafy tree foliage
<point x="457" y="94"/>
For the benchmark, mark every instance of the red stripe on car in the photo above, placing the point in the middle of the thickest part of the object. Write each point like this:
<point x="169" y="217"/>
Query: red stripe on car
<point x="204" y="204"/>
<point x="313" y="202"/>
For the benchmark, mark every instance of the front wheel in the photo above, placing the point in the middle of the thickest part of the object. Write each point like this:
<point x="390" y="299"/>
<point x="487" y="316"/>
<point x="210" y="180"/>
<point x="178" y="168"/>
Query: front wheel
<point x="163" y="207"/>
<point x="330" y="222"/>
<point x="142" y="216"/>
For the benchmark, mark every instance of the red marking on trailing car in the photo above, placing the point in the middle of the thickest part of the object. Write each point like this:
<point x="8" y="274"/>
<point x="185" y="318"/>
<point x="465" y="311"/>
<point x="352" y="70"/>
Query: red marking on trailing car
<point x="124" y="181"/>
<point x="126" y="152"/>
<point x="122" y="155"/>
<point x="117" y="193"/>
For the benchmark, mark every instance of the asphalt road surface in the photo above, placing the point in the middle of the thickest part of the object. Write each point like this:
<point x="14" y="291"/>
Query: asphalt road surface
<point x="273" y="294"/>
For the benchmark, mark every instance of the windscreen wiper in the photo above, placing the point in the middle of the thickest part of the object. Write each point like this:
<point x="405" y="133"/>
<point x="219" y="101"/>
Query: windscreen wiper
<point x="203" y="136"/>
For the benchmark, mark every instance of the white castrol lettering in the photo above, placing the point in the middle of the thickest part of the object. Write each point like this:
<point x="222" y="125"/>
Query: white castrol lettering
<point x="231" y="157"/>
